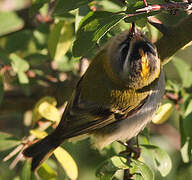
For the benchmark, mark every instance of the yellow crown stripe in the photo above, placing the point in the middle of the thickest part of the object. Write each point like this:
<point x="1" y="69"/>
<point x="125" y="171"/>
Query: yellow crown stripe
<point x="144" y="64"/>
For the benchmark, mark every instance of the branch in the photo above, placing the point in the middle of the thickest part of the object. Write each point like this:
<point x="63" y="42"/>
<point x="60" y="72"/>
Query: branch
<point x="15" y="100"/>
<point x="174" y="39"/>
<point x="168" y="6"/>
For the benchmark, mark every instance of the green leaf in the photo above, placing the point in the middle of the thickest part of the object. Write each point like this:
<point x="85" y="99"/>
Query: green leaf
<point x="46" y="172"/>
<point x="26" y="171"/>
<point x="186" y="138"/>
<point x="187" y="124"/>
<point x="7" y="141"/>
<point x="23" y="79"/>
<point x="143" y="169"/>
<point x="22" y="40"/>
<point x="185" y="141"/>
<point x="10" y="22"/>
<point x="109" y="167"/>
<point x="37" y="59"/>
<point x="161" y="159"/>
<point x="172" y="86"/>
<point x="186" y="151"/>
<point x="92" y="28"/>
<point x="110" y="6"/>
<point x="67" y="162"/>
<point x="184" y="71"/>
<point x="132" y="6"/>
<point x="64" y="6"/>
<point x="163" y="113"/>
<point x="139" y="19"/>
<point x="64" y="64"/>
<point x="4" y="57"/>
<point x="18" y="64"/>
<point x="60" y="39"/>
<point x="1" y="89"/>
<point x="80" y="13"/>
<point x="37" y="4"/>
<point x="141" y="22"/>
<point x="189" y="108"/>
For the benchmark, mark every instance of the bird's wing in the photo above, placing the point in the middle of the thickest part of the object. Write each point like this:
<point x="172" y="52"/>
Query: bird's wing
<point x="81" y="117"/>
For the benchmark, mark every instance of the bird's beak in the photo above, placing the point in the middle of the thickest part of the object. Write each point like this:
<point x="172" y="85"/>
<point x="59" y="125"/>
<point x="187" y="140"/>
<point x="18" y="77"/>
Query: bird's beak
<point x="132" y="29"/>
<point x="134" y="34"/>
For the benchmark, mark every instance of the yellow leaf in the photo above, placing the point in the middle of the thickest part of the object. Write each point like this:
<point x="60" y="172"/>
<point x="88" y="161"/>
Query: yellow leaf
<point x="60" y="39"/>
<point x="36" y="116"/>
<point x="163" y="113"/>
<point x="49" y="112"/>
<point x="67" y="163"/>
<point x="37" y="133"/>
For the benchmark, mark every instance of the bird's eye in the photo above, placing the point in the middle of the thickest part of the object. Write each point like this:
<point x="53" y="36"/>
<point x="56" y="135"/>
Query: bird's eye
<point x="146" y="46"/>
<point x="150" y="48"/>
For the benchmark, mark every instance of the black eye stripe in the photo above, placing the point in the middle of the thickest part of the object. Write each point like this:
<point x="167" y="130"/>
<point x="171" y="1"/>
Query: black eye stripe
<point x="146" y="46"/>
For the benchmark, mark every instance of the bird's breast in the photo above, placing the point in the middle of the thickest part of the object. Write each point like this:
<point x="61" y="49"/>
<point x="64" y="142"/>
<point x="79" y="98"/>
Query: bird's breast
<point x="131" y="126"/>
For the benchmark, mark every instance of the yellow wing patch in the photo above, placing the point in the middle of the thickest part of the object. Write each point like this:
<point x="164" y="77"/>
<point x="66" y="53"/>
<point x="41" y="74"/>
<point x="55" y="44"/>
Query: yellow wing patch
<point x="144" y="64"/>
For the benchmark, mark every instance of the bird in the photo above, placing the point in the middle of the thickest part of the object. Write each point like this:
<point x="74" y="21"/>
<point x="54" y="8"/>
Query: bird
<point x="114" y="100"/>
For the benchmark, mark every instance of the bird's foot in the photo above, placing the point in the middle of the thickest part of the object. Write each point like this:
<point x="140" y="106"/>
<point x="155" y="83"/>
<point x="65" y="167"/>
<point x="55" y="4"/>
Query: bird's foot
<point x="131" y="149"/>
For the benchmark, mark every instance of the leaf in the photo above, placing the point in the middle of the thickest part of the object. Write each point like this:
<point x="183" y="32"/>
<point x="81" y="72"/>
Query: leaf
<point x="64" y="64"/>
<point x="110" y="6"/>
<point x="143" y="169"/>
<point x="37" y="133"/>
<point x="187" y="124"/>
<point x="141" y="22"/>
<point x="64" y="6"/>
<point x="26" y="171"/>
<point x="109" y="167"/>
<point x="188" y="109"/>
<point x="7" y="141"/>
<point x="10" y="22"/>
<point x="37" y="4"/>
<point x="132" y="6"/>
<point x="49" y="112"/>
<point x="23" y="79"/>
<point x="172" y="86"/>
<point x="185" y="151"/>
<point x="163" y="113"/>
<point x="161" y="159"/>
<point x="92" y="28"/>
<point x="4" y="57"/>
<point x="46" y="172"/>
<point x="67" y="162"/>
<point x="186" y="137"/>
<point x="139" y="19"/>
<point x="18" y="64"/>
<point x="184" y="71"/>
<point x="60" y="39"/>
<point x="80" y="13"/>
<point x="23" y="41"/>
<point x="36" y="115"/>
<point x="1" y="89"/>
<point x="186" y="140"/>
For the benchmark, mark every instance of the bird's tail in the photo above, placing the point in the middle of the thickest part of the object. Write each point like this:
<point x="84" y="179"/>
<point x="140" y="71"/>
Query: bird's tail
<point x="40" y="151"/>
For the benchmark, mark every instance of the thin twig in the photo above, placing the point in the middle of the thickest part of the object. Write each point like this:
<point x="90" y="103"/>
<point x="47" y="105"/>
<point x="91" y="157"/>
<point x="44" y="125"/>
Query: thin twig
<point x="13" y="153"/>
<point x="168" y="6"/>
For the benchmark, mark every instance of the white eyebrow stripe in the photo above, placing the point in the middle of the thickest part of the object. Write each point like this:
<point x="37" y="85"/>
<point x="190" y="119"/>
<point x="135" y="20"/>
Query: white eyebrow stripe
<point x="125" y="66"/>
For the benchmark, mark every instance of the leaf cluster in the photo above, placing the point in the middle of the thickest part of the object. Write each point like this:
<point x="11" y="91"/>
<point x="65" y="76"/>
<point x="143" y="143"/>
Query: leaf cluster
<point x="48" y="46"/>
